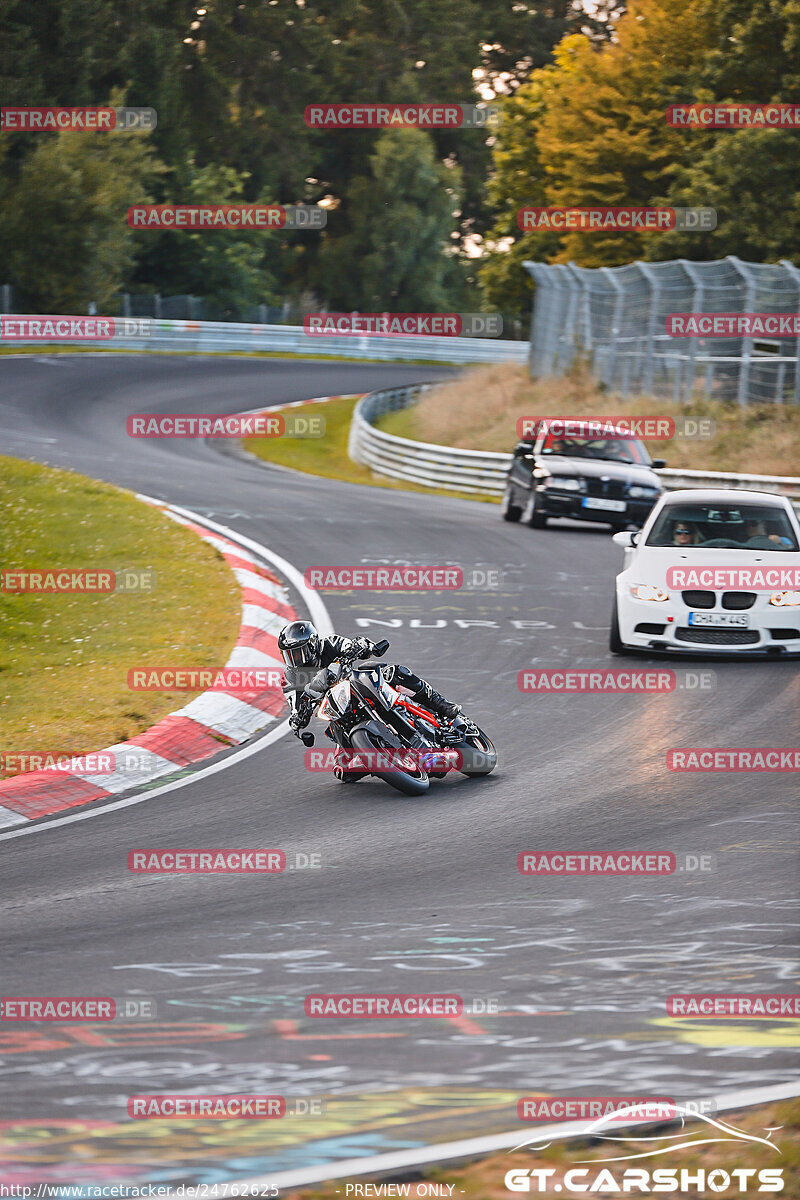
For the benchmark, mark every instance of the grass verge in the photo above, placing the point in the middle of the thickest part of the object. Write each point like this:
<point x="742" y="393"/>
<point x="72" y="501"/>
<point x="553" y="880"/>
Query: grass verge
<point x="64" y="658"/>
<point x="479" y="411"/>
<point x="484" y="1180"/>
<point x="327" y="456"/>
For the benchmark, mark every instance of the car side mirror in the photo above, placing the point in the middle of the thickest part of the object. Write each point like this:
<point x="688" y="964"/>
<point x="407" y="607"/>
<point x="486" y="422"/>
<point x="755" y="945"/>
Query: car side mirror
<point x="626" y="538"/>
<point x="659" y="464"/>
<point x="522" y="450"/>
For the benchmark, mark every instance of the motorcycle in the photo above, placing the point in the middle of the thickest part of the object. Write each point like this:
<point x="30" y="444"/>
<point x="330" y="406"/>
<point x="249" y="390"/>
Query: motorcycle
<point x="379" y="731"/>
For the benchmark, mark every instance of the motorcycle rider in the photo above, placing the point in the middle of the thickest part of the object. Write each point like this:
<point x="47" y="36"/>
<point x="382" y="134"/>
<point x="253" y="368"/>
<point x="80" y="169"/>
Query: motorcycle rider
<point x="305" y="652"/>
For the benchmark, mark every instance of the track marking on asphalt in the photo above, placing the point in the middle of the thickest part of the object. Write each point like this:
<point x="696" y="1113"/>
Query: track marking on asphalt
<point x="319" y="615"/>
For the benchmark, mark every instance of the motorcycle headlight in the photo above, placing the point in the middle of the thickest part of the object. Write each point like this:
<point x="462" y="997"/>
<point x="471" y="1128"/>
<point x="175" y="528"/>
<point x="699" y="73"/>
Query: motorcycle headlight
<point x="784" y="599"/>
<point x="336" y="702"/>
<point x="642" y="493"/>
<point x="646" y="591"/>
<point x="565" y="483"/>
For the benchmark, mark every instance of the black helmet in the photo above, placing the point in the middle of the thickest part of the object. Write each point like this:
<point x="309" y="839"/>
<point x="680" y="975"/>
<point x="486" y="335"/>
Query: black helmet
<point x="299" y="644"/>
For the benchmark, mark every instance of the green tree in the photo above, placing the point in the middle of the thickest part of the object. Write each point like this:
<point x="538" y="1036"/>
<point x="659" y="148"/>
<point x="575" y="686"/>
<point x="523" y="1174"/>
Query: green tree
<point x="65" y="238"/>
<point x="400" y="219"/>
<point x="224" y="266"/>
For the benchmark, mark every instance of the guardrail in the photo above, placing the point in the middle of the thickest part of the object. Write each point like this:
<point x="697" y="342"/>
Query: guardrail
<point x="222" y="337"/>
<point x="483" y="472"/>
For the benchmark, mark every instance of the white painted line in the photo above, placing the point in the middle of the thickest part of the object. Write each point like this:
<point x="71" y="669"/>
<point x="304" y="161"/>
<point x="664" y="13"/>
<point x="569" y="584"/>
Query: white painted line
<point x="248" y="656"/>
<point x="138" y="766"/>
<point x="228" y="715"/>
<point x="475" y="1147"/>
<point x="249" y="579"/>
<point x="319" y="615"/>
<point x="255" y="617"/>
<point x="7" y="817"/>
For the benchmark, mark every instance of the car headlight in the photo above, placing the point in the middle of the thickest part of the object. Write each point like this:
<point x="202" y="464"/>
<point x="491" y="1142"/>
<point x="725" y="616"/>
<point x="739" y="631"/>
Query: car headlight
<point x="646" y="591"/>
<point x="643" y="493"/>
<point x="784" y="599"/>
<point x="565" y="483"/>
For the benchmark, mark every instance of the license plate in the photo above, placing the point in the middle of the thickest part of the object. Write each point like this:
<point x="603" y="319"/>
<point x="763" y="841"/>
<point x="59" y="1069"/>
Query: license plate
<point x="737" y="620"/>
<point x="606" y="505"/>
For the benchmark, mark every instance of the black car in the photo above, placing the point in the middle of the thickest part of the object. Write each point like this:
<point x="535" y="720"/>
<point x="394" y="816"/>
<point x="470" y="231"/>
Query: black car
<point x="607" y="479"/>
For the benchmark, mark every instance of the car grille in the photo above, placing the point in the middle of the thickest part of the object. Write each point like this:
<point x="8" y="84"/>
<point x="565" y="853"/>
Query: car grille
<point x="738" y="599"/>
<point x="613" y="489"/>
<point x="699" y="599"/>
<point x="649" y="627"/>
<point x="717" y="637"/>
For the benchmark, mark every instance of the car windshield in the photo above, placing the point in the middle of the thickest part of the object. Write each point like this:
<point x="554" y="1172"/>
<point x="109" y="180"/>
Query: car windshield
<point x="733" y="526"/>
<point x="622" y="449"/>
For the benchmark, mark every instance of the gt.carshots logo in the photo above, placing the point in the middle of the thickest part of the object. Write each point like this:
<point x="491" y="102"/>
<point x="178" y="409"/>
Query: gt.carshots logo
<point x="592" y="1176"/>
<point x="625" y="219"/>
<point x="376" y="1006"/>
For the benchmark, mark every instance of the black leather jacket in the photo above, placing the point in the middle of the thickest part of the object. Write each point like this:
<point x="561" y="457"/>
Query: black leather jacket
<point x="331" y="650"/>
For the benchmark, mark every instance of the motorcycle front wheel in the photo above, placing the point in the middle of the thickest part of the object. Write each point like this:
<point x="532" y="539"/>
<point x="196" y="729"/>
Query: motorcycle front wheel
<point x="478" y="754"/>
<point x="411" y="783"/>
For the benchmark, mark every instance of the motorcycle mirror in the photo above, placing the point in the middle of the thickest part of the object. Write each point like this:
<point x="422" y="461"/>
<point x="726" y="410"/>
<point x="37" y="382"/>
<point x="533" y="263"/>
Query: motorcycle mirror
<point x="381" y="648"/>
<point x="307" y="738"/>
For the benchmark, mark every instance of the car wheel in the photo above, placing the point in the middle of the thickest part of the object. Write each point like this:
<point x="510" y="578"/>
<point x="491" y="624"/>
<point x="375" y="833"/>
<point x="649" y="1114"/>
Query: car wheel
<point x="509" y="510"/>
<point x="535" y="519"/>
<point x="614" y="643"/>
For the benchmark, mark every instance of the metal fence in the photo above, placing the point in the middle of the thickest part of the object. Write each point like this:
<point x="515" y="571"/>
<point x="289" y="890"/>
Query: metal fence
<point x="226" y="337"/>
<point x="483" y="472"/>
<point x="615" y="318"/>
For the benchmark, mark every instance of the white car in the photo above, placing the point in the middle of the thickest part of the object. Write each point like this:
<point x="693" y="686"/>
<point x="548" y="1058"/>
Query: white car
<point x="711" y="572"/>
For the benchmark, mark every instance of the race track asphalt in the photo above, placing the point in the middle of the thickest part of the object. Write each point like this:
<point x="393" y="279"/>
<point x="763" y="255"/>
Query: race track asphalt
<point x="412" y="896"/>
